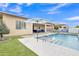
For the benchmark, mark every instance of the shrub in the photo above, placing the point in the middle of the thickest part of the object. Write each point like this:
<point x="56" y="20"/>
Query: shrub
<point x="3" y="30"/>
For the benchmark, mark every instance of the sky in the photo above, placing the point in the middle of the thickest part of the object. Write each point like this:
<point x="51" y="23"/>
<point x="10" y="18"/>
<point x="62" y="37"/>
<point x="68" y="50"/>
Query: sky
<point x="62" y="13"/>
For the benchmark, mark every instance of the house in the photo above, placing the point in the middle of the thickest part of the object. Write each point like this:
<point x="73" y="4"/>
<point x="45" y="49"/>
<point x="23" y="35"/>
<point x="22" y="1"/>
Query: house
<point x="63" y="28"/>
<point x="18" y="25"/>
<point x="49" y="27"/>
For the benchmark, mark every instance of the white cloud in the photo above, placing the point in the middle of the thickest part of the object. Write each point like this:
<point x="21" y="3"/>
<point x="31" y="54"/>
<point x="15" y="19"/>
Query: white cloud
<point x="29" y="4"/>
<point x="4" y="6"/>
<point x="55" y="12"/>
<point x="20" y="3"/>
<point x="73" y="18"/>
<point x="58" y="6"/>
<point x="16" y="9"/>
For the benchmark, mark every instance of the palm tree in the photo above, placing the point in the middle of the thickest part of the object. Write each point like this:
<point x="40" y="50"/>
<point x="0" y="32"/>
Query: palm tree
<point x="77" y="26"/>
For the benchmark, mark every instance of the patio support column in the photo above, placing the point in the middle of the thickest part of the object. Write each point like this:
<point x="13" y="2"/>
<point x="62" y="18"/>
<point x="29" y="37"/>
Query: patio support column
<point x="45" y="28"/>
<point x="37" y="30"/>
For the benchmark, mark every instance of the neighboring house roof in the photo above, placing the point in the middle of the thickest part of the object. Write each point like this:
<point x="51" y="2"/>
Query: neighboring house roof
<point x="40" y="21"/>
<point x="62" y="25"/>
<point x="13" y="15"/>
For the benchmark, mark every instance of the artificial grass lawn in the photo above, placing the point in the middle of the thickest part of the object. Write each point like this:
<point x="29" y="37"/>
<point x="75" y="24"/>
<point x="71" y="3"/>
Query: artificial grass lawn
<point x="12" y="47"/>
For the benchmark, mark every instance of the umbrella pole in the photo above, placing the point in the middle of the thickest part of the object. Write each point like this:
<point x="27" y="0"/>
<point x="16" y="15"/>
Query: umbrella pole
<point x="37" y="36"/>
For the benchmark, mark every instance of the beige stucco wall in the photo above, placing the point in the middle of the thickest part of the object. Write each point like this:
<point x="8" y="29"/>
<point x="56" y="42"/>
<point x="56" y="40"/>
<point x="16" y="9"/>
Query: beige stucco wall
<point x="10" y="21"/>
<point x="49" y="28"/>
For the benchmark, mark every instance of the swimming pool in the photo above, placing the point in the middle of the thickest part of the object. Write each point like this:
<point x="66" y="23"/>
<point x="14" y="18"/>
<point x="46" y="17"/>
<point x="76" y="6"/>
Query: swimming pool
<point x="70" y="41"/>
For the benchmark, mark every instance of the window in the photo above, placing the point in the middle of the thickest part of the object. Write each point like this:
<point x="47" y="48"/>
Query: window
<point x="20" y="25"/>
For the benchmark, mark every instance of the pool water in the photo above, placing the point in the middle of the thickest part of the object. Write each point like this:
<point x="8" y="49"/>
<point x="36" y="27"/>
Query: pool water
<point x="70" y="41"/>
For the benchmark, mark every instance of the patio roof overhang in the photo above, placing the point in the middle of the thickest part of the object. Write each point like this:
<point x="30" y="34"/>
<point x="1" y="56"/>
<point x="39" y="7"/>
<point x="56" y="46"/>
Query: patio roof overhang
<point x="39" y="22"/>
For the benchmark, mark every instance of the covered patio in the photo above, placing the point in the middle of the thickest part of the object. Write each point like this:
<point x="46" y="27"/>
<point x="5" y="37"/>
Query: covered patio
<point x="41" y="25"/>
<point x="38" y="27"/>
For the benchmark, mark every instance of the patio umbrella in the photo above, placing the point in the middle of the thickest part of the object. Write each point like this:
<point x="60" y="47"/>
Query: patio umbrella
<point x="37" y="20"/>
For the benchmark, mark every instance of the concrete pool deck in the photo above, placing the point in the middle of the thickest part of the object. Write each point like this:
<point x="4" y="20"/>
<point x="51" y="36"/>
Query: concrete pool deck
<point x="43" y="48"/>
